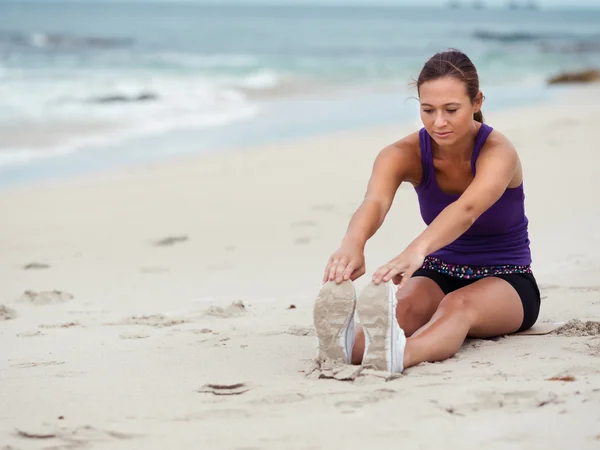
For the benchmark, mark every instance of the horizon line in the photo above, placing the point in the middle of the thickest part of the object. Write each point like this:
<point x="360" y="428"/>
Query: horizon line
<point x="448" y="5"/>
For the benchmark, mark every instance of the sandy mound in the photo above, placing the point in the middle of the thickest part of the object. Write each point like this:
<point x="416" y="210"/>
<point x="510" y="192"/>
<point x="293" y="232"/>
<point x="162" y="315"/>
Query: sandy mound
<point x="45" y="297"/>
<point x="578" y="328"/>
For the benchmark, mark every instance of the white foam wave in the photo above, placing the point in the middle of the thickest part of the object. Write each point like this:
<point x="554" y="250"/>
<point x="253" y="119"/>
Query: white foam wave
<point x="23" y="154"/>
<point x="173" y="102"/>
<point x="140" y="101"/>
<point x="261" y="79"/>
<point x="39" y="40"/>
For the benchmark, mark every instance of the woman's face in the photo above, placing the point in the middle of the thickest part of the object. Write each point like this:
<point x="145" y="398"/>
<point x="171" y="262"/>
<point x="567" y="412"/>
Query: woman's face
<point x="446" y="110"/>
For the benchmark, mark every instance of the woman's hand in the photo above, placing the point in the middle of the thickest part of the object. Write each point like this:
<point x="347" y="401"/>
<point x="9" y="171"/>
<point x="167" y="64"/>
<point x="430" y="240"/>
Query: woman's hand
<point x="346" y="263"/>
<point x="401" y="268"/>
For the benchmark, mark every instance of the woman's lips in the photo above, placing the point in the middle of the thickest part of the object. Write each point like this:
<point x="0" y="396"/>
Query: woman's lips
<point x="442" y="135"/>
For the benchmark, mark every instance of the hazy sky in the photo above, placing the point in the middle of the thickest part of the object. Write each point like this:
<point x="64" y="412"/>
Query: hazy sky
<point x="542" y="3"/>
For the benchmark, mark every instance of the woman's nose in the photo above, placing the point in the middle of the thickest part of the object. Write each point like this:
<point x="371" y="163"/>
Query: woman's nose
<point x="440" y="120"/>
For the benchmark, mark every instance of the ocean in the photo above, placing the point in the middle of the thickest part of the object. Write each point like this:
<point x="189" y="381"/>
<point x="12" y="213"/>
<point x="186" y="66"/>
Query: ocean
<point x="93" y="86"/>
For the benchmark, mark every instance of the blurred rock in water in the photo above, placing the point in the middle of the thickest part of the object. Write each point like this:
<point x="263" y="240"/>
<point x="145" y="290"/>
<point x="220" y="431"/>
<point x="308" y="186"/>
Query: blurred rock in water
<point x="585" y="76"/>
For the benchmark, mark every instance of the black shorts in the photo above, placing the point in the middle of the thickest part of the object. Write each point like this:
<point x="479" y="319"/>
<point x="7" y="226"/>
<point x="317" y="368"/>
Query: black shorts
<point x="523" y="283"/>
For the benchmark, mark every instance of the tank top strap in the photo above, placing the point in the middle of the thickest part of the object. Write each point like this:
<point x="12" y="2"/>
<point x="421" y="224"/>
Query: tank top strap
<point x="484" y="132"/>
<point x="426" y="158"/>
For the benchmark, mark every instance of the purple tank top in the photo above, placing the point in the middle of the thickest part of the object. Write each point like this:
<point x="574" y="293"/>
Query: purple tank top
<point x="498" y="237"/>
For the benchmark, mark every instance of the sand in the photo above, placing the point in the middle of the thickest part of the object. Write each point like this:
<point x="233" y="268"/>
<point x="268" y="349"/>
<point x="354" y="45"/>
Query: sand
<point x="170" y="305"/>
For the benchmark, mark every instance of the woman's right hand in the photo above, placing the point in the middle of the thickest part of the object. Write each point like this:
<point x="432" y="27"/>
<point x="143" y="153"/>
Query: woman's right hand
<point x="346" y="263"/>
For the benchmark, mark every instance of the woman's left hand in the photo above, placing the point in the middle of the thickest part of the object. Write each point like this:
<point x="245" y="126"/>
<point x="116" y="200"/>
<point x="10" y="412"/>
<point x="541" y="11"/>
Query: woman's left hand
<point x="401" y="268"/>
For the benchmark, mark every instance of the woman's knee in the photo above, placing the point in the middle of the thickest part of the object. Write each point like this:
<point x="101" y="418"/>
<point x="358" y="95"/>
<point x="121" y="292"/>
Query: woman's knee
<point x="457" y="302"/>
<point x="410" y="313"/>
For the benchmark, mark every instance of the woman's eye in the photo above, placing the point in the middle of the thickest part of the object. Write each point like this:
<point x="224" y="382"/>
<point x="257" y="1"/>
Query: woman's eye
<point x="451" y="110"/>
<point x="427" y="111"/>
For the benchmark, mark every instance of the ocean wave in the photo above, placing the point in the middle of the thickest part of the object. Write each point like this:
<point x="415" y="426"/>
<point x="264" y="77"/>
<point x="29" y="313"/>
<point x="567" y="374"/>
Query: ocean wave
<point x="28" y="149"/>
<point x="57" y="41"/>
<point x="136" y="105"/>
<point x="130" y="104"/>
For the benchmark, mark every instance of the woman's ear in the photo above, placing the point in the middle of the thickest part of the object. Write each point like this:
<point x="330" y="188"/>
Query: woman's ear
<point x="478" y="101"/>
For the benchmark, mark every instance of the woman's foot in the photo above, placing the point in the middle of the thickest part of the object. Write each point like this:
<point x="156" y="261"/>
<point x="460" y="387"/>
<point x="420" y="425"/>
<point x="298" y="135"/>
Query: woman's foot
<point x="384" y="339"/>
<point x="334" y="321"/>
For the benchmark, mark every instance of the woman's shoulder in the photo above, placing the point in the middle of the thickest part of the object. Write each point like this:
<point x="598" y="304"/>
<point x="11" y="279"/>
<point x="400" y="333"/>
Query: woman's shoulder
<point x="407" y="146"/>
<point x="406" y="149"/>
<point x="498" y="140"/>
<point x="498" y="150"/>
<point x="405" y="155"/>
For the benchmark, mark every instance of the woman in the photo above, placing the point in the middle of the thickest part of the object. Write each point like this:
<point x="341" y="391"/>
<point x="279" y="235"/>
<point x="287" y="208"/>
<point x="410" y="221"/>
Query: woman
<point x="468" y="273"/>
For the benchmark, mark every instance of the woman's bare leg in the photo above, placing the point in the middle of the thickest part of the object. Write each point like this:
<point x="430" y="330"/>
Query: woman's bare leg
<point x="489" y="307"/>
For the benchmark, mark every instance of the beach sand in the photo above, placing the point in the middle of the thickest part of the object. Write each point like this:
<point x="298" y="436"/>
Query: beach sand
<point x="170" y="306"/>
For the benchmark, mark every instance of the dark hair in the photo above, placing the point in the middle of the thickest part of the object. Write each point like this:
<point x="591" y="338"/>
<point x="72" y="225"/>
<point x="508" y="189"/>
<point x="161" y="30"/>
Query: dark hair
<point x="453" y="63"/>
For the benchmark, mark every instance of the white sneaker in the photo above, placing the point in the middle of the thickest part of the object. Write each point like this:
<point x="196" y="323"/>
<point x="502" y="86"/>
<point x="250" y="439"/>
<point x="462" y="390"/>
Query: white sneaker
<point x="334" y="321"/>
<point x="384" y="339"/>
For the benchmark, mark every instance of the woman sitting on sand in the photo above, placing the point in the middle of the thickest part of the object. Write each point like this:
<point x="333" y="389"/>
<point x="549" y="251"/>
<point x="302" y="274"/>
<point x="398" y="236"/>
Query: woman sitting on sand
<point x="468" y="273"/>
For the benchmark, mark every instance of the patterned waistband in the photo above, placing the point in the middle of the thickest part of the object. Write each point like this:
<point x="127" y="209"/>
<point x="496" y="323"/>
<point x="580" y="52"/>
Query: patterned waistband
<point x="467" y="272"/>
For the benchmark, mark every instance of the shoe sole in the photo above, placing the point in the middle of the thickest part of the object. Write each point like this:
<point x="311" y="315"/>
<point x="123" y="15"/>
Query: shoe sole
<point x="375" y="315"/>
<point x="334" y="307"/>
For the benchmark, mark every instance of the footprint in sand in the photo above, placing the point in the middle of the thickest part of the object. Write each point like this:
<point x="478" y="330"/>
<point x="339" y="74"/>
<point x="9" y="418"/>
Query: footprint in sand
<point x="171" y="240"/>
<point x="155" y="320"/>
<point x="38" y="364"/>
<point x="36" y="266"/>
<point x="69" y="437"/>
<point x="134" y="335"/>
<point x="7" y="313"/>
<point x="202" y="331"/>
<point x="476" y="364"/>
<point x="224" y="389"/>
<point x="30" y="334"/>
<point x="45" y="297"/>
<point x="61" y="325"/>
<point x="236" y="309"/>
<point x="510" y="400"/>
<point x="222" y="342"/>
<point x="300" y="331"/>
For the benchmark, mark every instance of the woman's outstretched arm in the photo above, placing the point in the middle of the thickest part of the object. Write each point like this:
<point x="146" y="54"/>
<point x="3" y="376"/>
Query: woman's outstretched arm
<point x="394" y="164"/>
